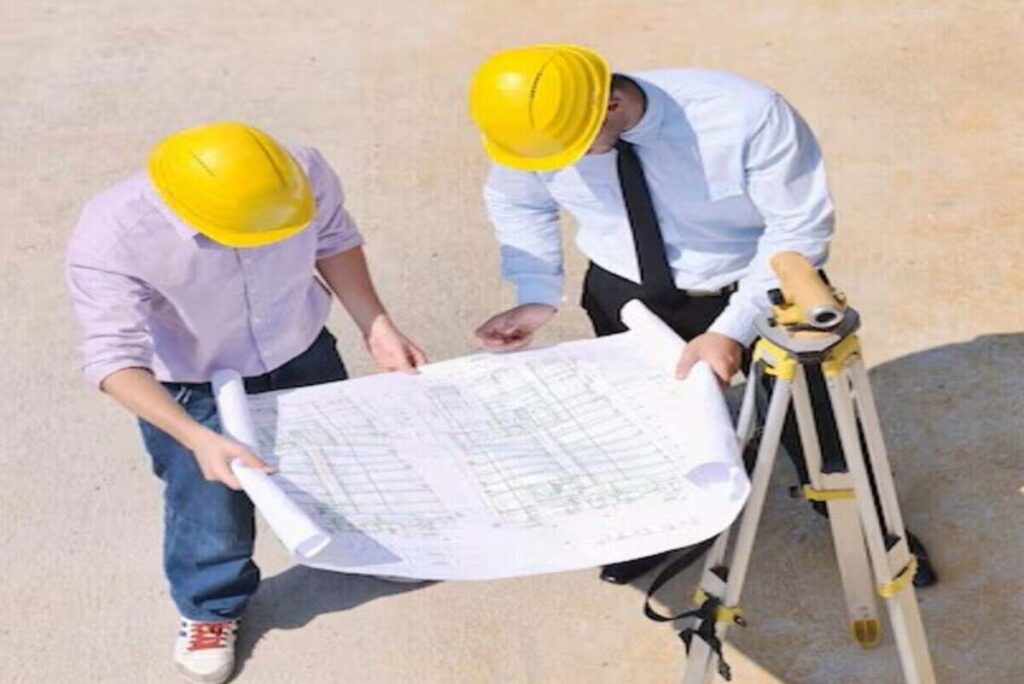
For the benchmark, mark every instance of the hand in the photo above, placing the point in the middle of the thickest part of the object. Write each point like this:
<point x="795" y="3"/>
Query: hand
<point x="514" y="328"/>
<point x="215" y="452"/>
<point x="392" y="350"/>
<point x="721" y="352"/>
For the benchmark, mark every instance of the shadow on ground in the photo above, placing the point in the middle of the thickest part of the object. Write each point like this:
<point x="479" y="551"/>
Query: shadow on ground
<point x="953" y="418"/>
<point x="295" y="597"/>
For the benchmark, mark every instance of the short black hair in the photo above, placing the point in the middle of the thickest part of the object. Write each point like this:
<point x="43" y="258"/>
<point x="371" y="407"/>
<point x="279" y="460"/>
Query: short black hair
<point x="623" y="82"/>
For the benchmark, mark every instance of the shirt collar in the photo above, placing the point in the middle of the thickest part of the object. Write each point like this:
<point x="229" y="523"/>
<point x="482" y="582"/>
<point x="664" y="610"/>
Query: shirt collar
<point x="648" y="127"/>
<point x="183" y="229"/>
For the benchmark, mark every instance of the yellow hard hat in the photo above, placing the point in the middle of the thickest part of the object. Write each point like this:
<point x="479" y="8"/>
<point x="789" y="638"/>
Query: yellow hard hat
<point x="540" y="107"/>
<point x="233" y="183"/>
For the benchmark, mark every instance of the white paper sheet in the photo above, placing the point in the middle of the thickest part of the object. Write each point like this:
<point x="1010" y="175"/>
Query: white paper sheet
<point x="496" y="465"/>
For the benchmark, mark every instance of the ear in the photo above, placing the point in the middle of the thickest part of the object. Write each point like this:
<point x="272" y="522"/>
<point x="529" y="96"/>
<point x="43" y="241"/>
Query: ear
<point x="615" y="101"/>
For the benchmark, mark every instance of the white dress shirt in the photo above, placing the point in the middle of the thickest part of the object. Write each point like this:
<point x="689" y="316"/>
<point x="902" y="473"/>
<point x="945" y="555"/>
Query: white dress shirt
<point x="735" y="176"/>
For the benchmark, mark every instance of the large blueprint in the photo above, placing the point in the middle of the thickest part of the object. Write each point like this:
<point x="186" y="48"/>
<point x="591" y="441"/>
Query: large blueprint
<point x="497" y="465"/>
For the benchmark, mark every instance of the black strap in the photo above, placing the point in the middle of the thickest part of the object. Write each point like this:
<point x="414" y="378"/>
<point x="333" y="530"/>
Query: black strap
<point x="706" y="631"/>
<point x="655" y="274"/>
<point x="688" y="558"/>
<point x="704" y="614"/>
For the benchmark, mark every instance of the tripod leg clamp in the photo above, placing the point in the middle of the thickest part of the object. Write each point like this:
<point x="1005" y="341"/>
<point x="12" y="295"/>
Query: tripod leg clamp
<point x="732" y="615"/>
<point x="900" y="582"/>
<point x="811" y="494"/>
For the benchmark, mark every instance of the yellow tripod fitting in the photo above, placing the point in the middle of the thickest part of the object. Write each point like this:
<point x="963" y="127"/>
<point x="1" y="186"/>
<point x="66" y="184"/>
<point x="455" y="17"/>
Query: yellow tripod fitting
<point x="732" y="615"/>
<point x="900" y="582"/>
<point x="777" y="361"/>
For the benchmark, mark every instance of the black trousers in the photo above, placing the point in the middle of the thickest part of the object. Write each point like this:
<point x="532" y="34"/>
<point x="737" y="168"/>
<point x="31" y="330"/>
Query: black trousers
<point x="604" y="295"/>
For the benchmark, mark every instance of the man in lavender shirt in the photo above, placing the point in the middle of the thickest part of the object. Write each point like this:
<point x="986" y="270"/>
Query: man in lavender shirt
<point x="209" y="260"/>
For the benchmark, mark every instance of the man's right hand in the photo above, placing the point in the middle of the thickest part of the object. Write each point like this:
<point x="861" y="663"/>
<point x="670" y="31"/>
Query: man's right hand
<point x="514" y="328"/>
<point x="137" y="390"/>
<point x="215" y="452"/>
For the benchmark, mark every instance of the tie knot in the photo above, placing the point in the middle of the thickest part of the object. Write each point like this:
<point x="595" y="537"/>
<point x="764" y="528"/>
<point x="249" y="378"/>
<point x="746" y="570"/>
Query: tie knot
<point x="623" y="145"/>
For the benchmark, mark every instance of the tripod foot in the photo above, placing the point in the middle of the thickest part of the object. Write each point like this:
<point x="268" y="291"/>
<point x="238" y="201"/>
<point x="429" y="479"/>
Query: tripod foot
<point x="866" y="633"/>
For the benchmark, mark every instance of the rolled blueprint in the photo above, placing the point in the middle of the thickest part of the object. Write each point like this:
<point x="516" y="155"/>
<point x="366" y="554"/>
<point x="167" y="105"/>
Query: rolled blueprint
<point x="294" y="528"/>
<point x="702" y="395"/>
<point x="659" y="339"/>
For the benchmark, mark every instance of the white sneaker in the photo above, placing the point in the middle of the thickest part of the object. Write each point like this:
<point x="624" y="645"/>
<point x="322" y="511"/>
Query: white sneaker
<point x="205" y="651"/>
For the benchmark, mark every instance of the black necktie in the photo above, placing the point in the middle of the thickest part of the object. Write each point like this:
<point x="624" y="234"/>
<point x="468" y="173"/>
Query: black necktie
<point x="655" y="274"/>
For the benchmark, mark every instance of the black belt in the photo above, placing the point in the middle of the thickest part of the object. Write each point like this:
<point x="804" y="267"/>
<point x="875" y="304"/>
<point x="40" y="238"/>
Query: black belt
<point x="253" y="385"/>
<point x="625" y="284"/>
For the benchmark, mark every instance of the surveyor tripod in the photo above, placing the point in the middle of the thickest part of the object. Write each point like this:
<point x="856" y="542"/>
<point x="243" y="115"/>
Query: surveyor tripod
<point x="809" y="336"/>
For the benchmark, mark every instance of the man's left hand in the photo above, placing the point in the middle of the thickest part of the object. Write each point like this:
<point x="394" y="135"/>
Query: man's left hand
<point x="721" y="352"/>
<point x="392" y="350"/>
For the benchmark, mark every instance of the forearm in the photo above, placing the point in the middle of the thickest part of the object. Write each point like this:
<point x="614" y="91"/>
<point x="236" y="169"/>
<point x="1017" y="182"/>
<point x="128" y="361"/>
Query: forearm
<point x="348" y="276"/>
<point x="528" y="229"/>
<point x="138" y="391"/>
<point x="531" y="252"/>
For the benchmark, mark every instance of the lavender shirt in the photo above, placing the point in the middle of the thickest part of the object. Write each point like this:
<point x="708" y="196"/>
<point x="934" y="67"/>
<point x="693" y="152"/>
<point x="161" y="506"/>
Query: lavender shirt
<point x="151" y="292"/>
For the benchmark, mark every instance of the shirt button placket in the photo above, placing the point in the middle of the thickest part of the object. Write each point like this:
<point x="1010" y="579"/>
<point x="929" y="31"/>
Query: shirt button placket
<point x="257" y="320"/>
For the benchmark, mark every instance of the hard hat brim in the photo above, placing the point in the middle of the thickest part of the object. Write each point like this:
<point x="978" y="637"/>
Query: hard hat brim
<point x="554" y="162"/>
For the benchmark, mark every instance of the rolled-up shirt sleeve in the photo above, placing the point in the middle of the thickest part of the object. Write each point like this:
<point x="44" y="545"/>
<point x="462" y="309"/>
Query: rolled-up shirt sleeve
<point x="335" y="227"/>
<point x="785" y="177"/>
<point x="113" y="309"/>
<point x="526" y="223"/>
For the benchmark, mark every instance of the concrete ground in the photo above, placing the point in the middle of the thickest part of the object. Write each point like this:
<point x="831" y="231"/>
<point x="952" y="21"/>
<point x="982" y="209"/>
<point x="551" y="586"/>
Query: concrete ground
<point x="918" y="107"/>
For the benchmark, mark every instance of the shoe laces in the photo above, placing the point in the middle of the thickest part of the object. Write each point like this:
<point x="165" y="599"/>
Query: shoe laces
<point x="206" y="635"/>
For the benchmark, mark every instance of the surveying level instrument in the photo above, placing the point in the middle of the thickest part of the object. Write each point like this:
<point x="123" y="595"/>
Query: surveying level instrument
<point x="810" y="333"/>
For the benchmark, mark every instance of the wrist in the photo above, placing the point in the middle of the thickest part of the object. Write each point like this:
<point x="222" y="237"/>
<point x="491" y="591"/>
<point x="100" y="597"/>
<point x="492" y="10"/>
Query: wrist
<point x="374" y="324"/>
<point x="725" y="337"/>
<point x="193" y="435"/>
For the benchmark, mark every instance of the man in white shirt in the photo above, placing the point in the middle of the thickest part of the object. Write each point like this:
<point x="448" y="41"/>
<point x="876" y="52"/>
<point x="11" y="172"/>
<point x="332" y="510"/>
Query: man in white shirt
<point x="682" y="183"/>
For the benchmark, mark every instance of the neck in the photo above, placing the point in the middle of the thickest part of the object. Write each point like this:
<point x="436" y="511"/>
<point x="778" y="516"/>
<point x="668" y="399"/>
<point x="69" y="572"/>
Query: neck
<point x="636" y="103"/>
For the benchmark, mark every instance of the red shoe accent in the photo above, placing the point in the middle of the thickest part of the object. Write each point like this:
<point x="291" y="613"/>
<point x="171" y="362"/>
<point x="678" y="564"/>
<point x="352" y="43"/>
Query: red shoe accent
<point x="206" y="635"/>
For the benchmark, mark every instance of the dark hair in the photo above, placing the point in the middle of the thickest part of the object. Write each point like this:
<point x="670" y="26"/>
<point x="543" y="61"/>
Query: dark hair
<point x="623" y="82"/>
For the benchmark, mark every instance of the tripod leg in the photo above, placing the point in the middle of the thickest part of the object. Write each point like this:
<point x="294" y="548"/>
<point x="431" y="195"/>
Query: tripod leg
<point x="745" y="422"/>
<point x="884" y="534"/>
<point x="836" y="491"/>
<point x="723" y="581"/>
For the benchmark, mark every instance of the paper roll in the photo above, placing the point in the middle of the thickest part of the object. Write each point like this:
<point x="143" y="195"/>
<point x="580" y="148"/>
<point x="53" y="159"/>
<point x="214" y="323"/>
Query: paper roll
<point x="296" y="530"/>
<point x="661" y="341"/>
<point x="702" y="394"/>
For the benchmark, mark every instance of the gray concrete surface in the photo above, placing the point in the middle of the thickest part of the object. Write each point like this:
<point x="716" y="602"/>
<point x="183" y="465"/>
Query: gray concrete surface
<point x="919" y="109"/>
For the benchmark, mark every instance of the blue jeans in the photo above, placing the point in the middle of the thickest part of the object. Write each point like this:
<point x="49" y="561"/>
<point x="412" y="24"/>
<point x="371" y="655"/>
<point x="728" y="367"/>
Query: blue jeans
<point x="208" y="528"/>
